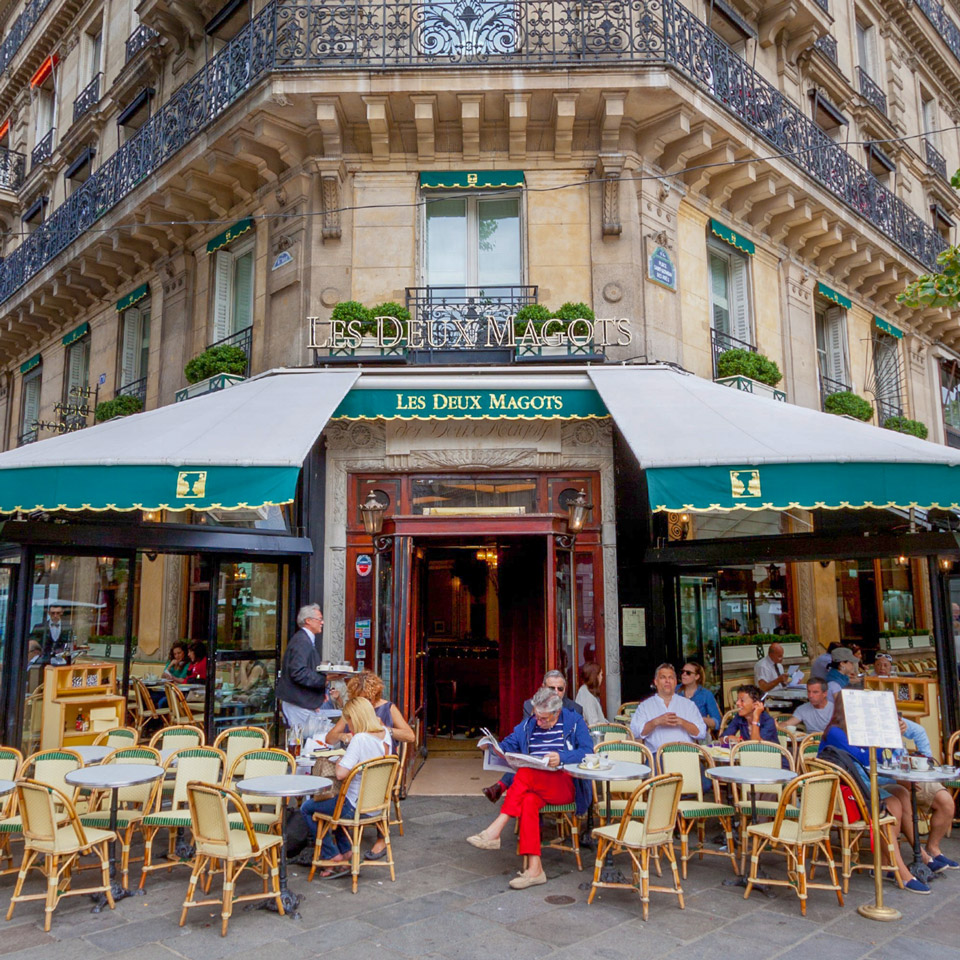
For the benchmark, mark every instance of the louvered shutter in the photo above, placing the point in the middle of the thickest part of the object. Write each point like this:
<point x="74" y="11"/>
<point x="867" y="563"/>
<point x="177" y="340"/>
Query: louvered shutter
<point x="222" y="275"/>
<point x="76" y="367"/>
<point x="242" y="292"/>
<point x="719" y="294"/>
<point x="130" y="346"/>
<point x="31" y="403"/>
<point x="836" y="343"/>
<point x="740" y="326"/>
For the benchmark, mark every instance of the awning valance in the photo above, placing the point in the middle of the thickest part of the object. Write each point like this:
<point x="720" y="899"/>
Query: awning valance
<point x="830" y="294"/>
<point x="238" y="448"/>
<point x="29" y="365"/>
<point x="704" y="446"/>
<point x="76" y="334"/>
<point x="472" y="180"/>
<point x="733" y="238"/>
<point x="888" y="327"/>
<point x="134" y="296"/>
<point x="230" y="234"/>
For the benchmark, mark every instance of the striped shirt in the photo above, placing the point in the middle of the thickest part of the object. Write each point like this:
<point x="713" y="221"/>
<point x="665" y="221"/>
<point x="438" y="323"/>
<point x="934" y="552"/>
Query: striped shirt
<point x="547" y="741"/>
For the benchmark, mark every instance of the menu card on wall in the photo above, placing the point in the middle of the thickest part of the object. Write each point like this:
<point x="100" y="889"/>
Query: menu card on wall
<point x="872" y="719"/>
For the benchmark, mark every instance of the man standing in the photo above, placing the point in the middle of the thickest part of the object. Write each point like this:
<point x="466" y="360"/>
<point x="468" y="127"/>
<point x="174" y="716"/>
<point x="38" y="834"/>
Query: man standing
<point x="301" y="688"/>
<point x="768" y="672"/>
<point x="666" y="717"/>
<point x="53" y="636"/>
<point x="816" y="714"/>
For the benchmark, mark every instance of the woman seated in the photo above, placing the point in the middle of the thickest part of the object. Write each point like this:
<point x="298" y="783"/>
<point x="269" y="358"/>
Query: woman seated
<point x="751" y="721"/>
<point x="894" y="798"/>
<point x="370" y="741"/>
<point x="588" y="696"/>
<point x="197" y="671"/>
<point x="560" y="736"/>
<point x="691" y="687"/>
<point x="178" y="665"/>
<point x="336" y="695"/>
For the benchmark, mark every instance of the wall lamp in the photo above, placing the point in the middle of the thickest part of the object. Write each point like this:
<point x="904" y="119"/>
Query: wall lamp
<point x="577" y="510"/>
<point x="372" y="512"/>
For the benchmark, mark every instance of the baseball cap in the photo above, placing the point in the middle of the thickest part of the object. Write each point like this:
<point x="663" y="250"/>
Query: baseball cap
<point x="842" y="654"/>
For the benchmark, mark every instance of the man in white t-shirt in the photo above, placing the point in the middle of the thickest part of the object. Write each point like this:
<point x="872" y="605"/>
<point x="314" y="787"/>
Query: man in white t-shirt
<point x="817" y="712"/>
<point x="666" y="717"/>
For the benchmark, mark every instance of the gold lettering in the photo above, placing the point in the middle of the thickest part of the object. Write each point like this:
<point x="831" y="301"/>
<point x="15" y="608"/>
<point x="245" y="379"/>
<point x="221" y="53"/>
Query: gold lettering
<point x="498" y="401"/>
<point x="440" y="401"/>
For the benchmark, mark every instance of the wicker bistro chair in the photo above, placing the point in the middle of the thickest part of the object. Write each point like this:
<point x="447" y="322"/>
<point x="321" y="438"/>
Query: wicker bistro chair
<point x="725" y="721"/>
<point x="689" y="760"/>
<point x="852" y="831"/>
<point x="133" y="803"/>
<point x="180" y="711"/>
<point x="789" y="741"/>
<point x="372" y="810"/>
<point x="818" y="794"/>
<point x="266" y="762"/>
<point x="951" y="758"/>
<point x="10" y="762"/>
<point x="237" y="740"/>
<point x="400" y="786"/>
<point x="659" y="798"/>
<point x="49" y="767"/>
<point x="204" y="764"/>
<point x="612" y="731"/>
<point x="238" y="848"/>
<point x="144" y="710"/>
<point x="621" y="751"/>
<point x="53" y="831"/>
<point x="118" y="737"/>
<point x="807" y="750"/>
<point x="178" y="737"/>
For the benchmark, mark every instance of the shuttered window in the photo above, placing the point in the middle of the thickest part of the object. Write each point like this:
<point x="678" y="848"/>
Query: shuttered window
<point x="76" y="369"/>
<point x="730" y="294"/>
<point x="30" y="411"/>
<point x="134" y="343"/>
<point x="233" y="290"/>
<point x="832" y="359"/>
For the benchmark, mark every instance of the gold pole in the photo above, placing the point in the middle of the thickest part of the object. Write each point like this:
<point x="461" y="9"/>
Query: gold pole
<point x="876" y="910"/>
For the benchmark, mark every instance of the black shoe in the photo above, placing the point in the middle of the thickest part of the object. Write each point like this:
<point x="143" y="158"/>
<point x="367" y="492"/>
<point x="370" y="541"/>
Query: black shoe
<point x="494" y="792"/>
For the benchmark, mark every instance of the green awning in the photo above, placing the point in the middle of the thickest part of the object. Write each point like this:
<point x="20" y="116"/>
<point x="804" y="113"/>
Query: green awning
<point x="28" y="365"/>
<point x="732" y="237"/>
<point x="135" y="296"/>
<point x="472" y="180"/>
<point x="76" y="334"/>
<point x="230" y="234"/>
<point x="833" y="296"/>
<point x="888" y="327"/>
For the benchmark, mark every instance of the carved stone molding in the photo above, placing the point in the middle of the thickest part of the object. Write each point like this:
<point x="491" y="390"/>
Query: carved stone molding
<point x="330" y="197"/>
<point x="609" y="169"/>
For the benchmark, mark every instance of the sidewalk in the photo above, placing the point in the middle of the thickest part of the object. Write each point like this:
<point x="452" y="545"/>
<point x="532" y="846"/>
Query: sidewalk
<point x="452" y="901"/>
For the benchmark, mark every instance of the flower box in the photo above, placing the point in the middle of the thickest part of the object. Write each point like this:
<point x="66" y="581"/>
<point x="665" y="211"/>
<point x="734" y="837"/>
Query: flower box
<point x="219" y="381"/>
<point x="748" y="385"/>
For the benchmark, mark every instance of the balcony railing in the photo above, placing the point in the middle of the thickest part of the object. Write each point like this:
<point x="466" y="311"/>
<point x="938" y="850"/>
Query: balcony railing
<point x="89" y="97"/>
<point x="828" y="387"/>
<point x="242" y="339"/>
<point x="827" y="45"/>
<point x="506" y="33"/>
<point x="871" y="92"/>
<point x="18" y="32"/>
<point x="43" y="151"/>
<point x="935" y="159"/>
<point x="142" y="37"/>
<point x="136" y="388"/>
<point x="28" y="436"/>
<point x="12" y="168"/>
<point x="942" y="23"/>
<point x="722" y="342"/>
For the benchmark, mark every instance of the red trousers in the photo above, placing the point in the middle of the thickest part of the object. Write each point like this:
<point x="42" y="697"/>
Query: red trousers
<point x="532" y="789"/>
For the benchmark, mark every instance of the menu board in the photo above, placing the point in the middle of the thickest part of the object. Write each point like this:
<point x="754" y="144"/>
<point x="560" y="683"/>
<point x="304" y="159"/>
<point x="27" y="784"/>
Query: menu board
<point x="872" y="719"/>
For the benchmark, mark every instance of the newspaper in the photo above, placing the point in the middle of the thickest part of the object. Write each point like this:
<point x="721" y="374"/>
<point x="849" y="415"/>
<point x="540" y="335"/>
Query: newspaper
<point x="496" y="758"/>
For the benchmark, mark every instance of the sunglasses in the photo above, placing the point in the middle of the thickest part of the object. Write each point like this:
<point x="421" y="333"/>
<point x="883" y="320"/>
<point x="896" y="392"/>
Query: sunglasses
<point x="682" y="672"/>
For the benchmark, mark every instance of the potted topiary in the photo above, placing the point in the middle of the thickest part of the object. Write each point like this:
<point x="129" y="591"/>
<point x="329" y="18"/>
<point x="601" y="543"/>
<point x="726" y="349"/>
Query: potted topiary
<point x="121" y="406"/>
<point x="354" y="320"/>
<point x="214" y="369"/>
<point x="395" y="311"/>
<point x="567" y="315"/>
<point x="902" y="425"/>
<point x="751" y="372"/>
<point x="846" y="403"/>
<point x="530" y="313"/>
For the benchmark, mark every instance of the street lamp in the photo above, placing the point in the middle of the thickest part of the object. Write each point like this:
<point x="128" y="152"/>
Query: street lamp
<point x="577" y="510"/>
<point x="372" y="514"/>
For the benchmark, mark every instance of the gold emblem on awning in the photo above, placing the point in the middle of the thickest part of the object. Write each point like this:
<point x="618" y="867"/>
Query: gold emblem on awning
<point x="744" y="483"/>
<point x="191" y="484"/>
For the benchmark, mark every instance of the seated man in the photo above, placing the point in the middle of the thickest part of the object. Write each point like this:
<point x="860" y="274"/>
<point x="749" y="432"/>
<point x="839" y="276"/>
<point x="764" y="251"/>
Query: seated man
<point x="667" y="717"/>
<point x="843" y="671"/>
<point x="561" y="736"/>
<point x="883" y="665"/>
<point x="751" y="722"/>
<point x="816" y="713"/>
<point x="768" y="672"/>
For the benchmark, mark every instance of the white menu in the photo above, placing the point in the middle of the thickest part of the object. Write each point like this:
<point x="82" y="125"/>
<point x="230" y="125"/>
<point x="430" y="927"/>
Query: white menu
<point x="872" y="719"/>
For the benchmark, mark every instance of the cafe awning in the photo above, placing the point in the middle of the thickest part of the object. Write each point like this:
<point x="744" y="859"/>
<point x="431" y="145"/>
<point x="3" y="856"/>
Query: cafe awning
<point x="705" y="446"/>
<point x="238" y="448"/>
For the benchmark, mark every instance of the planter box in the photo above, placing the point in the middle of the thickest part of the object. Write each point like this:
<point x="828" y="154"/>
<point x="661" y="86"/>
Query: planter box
<point x="747" y="385"/>
<point x="744" y="653"/>
<point x="791" y="651"/>
<point x="920" y="641"/>
<point x="219" y="381"/>
<point x="369" y="348"/>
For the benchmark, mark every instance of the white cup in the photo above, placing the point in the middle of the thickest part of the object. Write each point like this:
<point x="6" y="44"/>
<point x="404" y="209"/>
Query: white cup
<point x="920" y="763"/>
<point x="591" y="761"/>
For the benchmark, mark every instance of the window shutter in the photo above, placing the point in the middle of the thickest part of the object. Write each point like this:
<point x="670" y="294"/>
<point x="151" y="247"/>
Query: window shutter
<point x="242" y="292"/>
<point x="77" y="366"/>
<point x="740" y="300"/>
<point x="222" y="272"/>
<point x="31" y="403"/>
<point x="144" y="364"/>
<point x="130" y="347"/>
<point x="836" y="345"/>
<point x="719" y="294"/>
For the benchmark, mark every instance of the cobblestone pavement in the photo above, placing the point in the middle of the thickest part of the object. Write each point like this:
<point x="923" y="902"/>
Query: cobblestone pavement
<point x="452" y="901"/>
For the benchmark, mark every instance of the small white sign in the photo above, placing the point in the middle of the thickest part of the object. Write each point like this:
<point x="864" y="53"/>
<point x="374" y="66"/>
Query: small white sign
<point x="283" y="258"/>
<point x="634" y="630"/>
<point x="872" y="719"/>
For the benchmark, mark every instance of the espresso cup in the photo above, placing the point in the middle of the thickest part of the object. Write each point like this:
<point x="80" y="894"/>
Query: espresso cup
<point x="591" y="761"/>
<point x="920" y="763"/>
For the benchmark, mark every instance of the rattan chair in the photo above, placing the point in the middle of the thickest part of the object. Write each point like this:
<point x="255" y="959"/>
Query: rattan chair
<point x="377" y="778"/>
<point x="400" y="786"/>
<point x="612" y="731"/>
<point x="238" y="848"/>
<point x="815" y="796"/>
<point x="952" y="758"/>
<point x="659" y="798"/>
<point x="204" y="764"/>
<point x="144" y="710"/>
<point x="10" y="762"/>
<point x="178" y="737"/>
<point x="789" y="741"/>
<point x="627" y="708"/>
<point x="621" y="751"/>
<point x="266" y="762"/>
<point x="725" y="721"/>
<point x="689" y="760"/>
<point x="118" y="737"/>
<point x="133" y="803"/>
<point x="807" y="749"/>
<point x="53" y="831"/>
<point x="235" y="741"/>
<point x="180" y="711"/>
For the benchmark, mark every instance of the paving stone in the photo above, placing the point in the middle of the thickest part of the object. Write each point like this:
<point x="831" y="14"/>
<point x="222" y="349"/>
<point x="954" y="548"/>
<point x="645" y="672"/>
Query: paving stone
<point x="823" y="946"/>
<point x="22" y="936"/>
<point x="916" y="949"/>
<point x="418" y="908"/>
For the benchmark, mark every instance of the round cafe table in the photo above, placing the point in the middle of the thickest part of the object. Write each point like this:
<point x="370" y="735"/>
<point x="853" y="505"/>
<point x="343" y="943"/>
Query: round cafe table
<point x="93" y="754"/>
<point x="290" y="785"/>
<point x="6" y="786"/>
<point x="113" y="776"/>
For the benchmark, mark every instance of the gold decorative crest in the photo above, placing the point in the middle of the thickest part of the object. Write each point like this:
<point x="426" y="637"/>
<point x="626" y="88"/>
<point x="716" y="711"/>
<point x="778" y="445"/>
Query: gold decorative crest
<point x="191" y="484"/>
<point x="744" y="483"/>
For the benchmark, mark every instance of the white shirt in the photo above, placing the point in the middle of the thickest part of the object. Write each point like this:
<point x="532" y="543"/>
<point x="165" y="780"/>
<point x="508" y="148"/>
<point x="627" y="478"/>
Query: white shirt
<point x="592" y="710"/>
<point x="766" y="670"/>
<point x="654" y="707"/>
<point x="363" y="746"/>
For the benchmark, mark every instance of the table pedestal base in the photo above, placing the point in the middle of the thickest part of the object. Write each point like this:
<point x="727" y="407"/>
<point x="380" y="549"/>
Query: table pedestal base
<point x="872" y="912"/>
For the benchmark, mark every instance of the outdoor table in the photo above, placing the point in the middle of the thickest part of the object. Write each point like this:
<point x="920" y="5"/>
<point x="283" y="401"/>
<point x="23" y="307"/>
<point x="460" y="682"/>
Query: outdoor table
<point x="113" y="776"/>
<point x="93" y="754"/>
<point x="290" y="785"/>
<point x="918" y="868"/>
<point x="6" y="786"/>
<point x="309" y="759"/>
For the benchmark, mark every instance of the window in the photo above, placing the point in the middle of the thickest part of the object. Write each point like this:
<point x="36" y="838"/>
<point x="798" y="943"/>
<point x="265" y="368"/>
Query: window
<point x="730" y="297"/>
<point x="950" y="399"/>
<point x="867" y="50"/>
<point x="928" y="113"/>
<point x="134" y="349"/>
<point x="94" y="53"/>
<point x="831" y="349"/>
<point x="233" y="290"/>
<point x="886" y="375"/>
<point x="30" y="405"/>
<point x="76" y="370"/>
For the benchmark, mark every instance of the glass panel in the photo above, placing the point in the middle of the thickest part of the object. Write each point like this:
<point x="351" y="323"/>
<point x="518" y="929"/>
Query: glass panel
<point x="700" y="626"/>
<point x="498" y="257"/>
<point x="362" y="565"/>
<point x="463" y="496"/>
<point x="6" y="579"/>
<point x="896" y="582"/>
<point x="446" y="252"/>
<point x="585" y="608"/>
<point x="953" y="585"/>
<point x="384" y="624"/>
<point x="756" y="600"/>
<point x="719" y="293"/>
<point x="950" y="394"/>
<point x="247" y="607"/>
<point x="245" y="695"/>
<point x="564" y="615"/>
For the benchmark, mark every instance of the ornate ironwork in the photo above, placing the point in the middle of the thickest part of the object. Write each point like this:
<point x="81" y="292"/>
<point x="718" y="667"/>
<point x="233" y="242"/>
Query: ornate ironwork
<point x="948" y="30"/>
<point x="828" y="387"/>
<point x="824" y="5"/>
<point x="871" y="92"/>
<point x="43" y="151"/>
<point x="89" y="97"/>
<point x="242" y="339"/>
<point x="136" y="388"/>
<point x="935" y="159"/>
<point x="28" y="436"/>
<point x="13" y="165"/>
<point x="18" y="32"/>
<point x="141" y="38"/>
<point x="827" y="45"/>
<point x="722" y="342"/>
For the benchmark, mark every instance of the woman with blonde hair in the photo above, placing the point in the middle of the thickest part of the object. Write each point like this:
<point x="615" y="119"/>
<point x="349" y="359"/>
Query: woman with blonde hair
<point x="370" y="741"/>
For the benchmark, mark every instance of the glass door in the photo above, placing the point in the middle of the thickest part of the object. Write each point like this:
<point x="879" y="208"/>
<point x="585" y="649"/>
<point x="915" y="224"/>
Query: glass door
<point x="699" y="622"/>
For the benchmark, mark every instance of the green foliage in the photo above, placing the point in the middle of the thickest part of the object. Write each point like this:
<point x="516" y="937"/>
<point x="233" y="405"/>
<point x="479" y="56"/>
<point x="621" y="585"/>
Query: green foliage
<point x="902" y="425"/>
<point x="391" y="309"/>
<point x="121" y="406"/>
<point x="907" y="632"/>
<point x="347" y="311"/>
<point x="746" y="363"/>
<point x="575" y="311"/>
<point x="756" y="639"/>
<point x="847" y="403"/>
<point x="534" y="313"/>
<point x="225" y="359"/>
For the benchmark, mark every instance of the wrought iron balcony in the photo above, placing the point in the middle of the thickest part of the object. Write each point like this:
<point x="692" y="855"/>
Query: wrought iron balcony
<point x="12" y="168"/>
<point x="722" y="342"/>
<point x="935" y="159"/>
<point x="89" y="97"/>
<point x="18" y="32"/>
<point x="43" y="151"/>
<point x="827" y="45"/>
<point x="242" y="339"/>
<point x="942" y="24"/>
<point x="824" y="5"/>
<point x="871" y="92"/>
<point x="136" y="388"/>
<point x="28" y="436"/>
<point x="828" y="387"/>
<point x="141" y="38"/>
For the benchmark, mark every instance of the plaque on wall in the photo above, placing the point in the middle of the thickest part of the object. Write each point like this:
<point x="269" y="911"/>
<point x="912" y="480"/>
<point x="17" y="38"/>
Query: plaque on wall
<point x="660" y="266"/>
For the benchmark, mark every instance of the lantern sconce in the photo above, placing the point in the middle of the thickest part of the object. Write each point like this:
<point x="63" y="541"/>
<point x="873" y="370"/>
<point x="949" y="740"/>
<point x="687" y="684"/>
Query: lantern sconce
<point x="577" y="510"/>
<point x="371" y="512"/>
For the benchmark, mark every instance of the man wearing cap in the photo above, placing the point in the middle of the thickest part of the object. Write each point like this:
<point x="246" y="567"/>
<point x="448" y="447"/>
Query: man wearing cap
<point x="883" y="665"/>
<point x="843" y="670"/>
<point x="768" y="672"/>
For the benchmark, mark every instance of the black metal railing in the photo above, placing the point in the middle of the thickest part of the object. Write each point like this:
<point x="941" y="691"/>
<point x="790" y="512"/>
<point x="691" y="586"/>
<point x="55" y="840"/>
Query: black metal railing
<point x="828" y="387"/>
<point x="28" y="436"/>
<point x="13" y="166"/>
<point x="242" y="339"/>
<point x="871" y="92"/>
<point x="721" y="342"/>
<point x="824" y="5"/>
<point x="89" y="97"/>
<point x="137" y="388"/>
<point x="948" y="30"/>
<point x="18" y="32"/>
<point x="935" y="159"/>
<point x="43" y="151"/>
<point x="335" y="34"/>
<point x="141" y="38"/>
<point x="827" y="45"/>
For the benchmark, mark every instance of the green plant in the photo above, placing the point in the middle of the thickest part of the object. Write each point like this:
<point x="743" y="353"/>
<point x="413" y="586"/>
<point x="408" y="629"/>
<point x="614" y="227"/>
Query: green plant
<point x="214" y="360"/>
<point x="390" y="309"/>
<point x="121" y="406"/>
<point x="534" y="313"/>
<point x="575" y="311"/>
<point x="847" y="403"/>
<point x="904" y="632"/>
<point x="902" y="425"/>
<point x="746" y="363"/>
<point x="756" y="639"/>
<point x="347" y="311"/>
